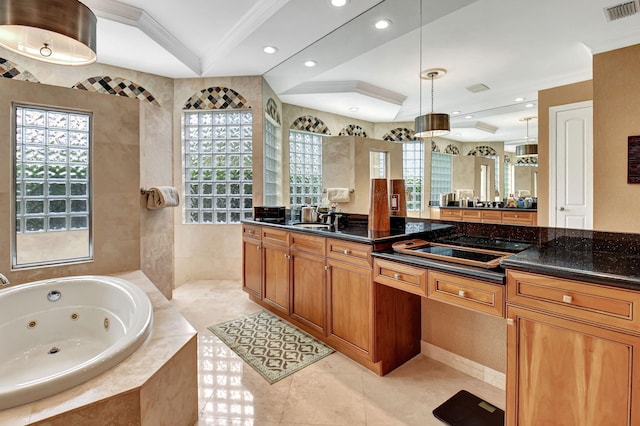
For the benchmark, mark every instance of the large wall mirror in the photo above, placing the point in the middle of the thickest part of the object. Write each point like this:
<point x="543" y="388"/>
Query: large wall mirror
<point x="52" y="188"/>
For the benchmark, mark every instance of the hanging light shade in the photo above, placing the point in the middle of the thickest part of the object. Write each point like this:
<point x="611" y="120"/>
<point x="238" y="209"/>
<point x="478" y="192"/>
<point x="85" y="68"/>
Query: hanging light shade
<point x="432" y="124"/>
<point x="56" y="31"/>
<point x="528" y="149"/>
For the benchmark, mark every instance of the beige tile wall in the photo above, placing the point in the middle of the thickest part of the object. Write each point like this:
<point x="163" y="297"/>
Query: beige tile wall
<point x="213" y="251"/>
<point x="115" y="174"/>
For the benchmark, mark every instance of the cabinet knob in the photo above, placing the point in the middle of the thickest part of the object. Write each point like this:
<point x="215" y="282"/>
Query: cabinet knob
<point x="258" y="247"/>
<point x="327" y="267"/>
<point x="396" y="276"/>
<point x="250" y="231"/>
<point x="461" y="293"/>
<point x="567" y="299"/>
<point x="510" y="321"/>
<point x="515" y="215"/>
<point x="346" y="251"/>
<point x="287" y="256"/>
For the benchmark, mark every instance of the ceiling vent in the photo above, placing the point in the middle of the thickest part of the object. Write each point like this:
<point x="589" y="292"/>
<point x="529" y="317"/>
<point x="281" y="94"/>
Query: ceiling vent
<point x="475" y="88"/>
<point x="621" y="10"/>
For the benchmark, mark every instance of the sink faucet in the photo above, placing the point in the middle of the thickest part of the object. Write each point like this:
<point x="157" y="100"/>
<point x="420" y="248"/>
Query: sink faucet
<point x="3" y="280"/>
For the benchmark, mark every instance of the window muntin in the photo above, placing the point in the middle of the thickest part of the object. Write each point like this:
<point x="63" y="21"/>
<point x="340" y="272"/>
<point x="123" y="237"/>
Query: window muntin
<point x="305" y="167"/>
<point x="218" y="166"/>
<point x="272" y="164"/>
<point x="413" y="173"/>
<point x="52" y="169"/>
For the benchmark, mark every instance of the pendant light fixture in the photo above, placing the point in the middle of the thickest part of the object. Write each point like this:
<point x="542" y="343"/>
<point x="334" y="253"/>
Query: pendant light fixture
<point x="56" y="31"/>
<point x="432" y="124"/>
<point x="528" y="149"/>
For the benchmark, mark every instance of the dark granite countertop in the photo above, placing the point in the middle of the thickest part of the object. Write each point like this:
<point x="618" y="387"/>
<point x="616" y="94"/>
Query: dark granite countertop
<point x="356" y="230"/>
<point x="608" y="258"/>
<point x="596" y="257"/>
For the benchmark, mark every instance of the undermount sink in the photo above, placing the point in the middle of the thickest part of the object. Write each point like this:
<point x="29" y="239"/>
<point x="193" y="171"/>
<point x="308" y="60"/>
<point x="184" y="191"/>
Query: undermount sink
<point x="312" y="225"/>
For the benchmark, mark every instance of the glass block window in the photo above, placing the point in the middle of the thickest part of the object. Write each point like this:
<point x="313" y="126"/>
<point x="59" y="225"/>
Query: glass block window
<point x="305" y="167"/>
<point x="272" y="164"/>
<point x="52" y="172"/>
<point x="218" y="166"/>
<point x="441" y="169"/>
<point x="413" y="173"/>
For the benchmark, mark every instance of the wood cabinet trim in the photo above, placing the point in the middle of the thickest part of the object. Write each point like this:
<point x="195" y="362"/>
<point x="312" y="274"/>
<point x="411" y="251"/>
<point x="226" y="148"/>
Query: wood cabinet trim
<point x="467" y="293"/>
<point x="400" y="276"/>
<point x="606" y="306"/>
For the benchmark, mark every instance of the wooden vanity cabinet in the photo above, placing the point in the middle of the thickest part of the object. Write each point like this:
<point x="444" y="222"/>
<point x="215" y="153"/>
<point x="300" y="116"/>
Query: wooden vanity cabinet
<point x="308" y="280"/>
<point x="252" y="260"/>
<point x="350" y="297"/>
<point x="573" y="352"/>
<point x="275" y="268"/>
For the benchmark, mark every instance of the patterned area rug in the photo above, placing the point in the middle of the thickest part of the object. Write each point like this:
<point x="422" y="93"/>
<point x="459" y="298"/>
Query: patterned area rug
<point x="273" y="347"/>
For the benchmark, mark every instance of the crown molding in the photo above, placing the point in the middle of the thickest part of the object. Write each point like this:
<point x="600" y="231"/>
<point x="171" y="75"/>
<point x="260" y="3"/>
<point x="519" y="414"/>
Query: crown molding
<point x="139" y="18"/>
<point x="348" y="86"/>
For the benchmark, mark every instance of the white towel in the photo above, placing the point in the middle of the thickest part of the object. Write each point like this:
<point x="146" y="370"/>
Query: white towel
<point x="338" y="195"/>
<point x="162" y="196"/>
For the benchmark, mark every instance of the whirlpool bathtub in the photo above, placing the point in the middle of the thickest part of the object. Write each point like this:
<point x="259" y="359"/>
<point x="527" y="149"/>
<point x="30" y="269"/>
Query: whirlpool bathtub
<point x="58" y="333"/>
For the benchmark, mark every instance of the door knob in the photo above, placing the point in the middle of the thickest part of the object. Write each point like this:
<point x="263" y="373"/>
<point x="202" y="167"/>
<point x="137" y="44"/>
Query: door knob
<point x="561" y="209"/>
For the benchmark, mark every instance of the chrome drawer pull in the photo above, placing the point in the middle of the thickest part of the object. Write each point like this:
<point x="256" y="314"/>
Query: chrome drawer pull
<point x="346" y="251"/>
<point x="461" y="293"/>
<point x="567" y="299"/>
<point x="396" y="276"/>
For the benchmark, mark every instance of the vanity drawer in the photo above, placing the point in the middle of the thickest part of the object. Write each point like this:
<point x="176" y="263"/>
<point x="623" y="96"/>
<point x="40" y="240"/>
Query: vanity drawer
<point x="275" y="236"/>
<point x="518" y="217"/>
<point x="454" y="214"/>
<point x="472" y="215"/>
<point x="251" y="231"/>
<point x="467" y="293"/>
<point x="357" y="254"/>
<point x="607" y="306"/>
<point x="400" y="276"/>
<point x="307" y="243"/>
<point x="490" y="216"/>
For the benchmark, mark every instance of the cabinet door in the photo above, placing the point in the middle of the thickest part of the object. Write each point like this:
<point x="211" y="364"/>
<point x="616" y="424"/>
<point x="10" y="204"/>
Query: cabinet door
<point x="350" y="310"/>
<point x="562" y="372"/>
<point x="252" y="267"/>
<point x="309" y="289"/>
<point x="275" y="276"/>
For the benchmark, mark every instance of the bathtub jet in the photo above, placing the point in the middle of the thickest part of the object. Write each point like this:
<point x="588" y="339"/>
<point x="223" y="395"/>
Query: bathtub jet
<point x="46" y="347"/>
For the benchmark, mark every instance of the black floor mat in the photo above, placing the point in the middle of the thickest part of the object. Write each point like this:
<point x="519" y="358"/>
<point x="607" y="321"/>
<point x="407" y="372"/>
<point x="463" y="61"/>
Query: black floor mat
<point x="466" y="409"/>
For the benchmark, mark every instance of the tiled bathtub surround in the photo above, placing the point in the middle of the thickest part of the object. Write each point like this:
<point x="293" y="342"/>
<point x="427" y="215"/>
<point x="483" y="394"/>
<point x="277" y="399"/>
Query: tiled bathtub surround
<point x="156" y="385"/>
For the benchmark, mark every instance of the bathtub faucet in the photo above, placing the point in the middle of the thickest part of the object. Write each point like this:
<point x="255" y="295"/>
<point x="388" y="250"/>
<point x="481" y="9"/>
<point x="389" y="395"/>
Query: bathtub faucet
<point x="3" y="280"/>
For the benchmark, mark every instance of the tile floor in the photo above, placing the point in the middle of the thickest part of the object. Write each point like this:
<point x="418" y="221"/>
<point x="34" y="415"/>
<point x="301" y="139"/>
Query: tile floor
<point x="333" y="391"/>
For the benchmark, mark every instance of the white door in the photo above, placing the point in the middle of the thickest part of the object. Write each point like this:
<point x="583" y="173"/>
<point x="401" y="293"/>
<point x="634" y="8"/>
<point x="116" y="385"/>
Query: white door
<point x="571" y="166"/>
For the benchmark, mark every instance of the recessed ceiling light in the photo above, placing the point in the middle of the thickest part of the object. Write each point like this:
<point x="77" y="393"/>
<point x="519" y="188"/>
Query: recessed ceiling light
<point x="339" y="3"/>
<point x="529" y="105"/>
<point x="354" y="109"/>
<point x="520" y="99"/>
<point x="382" y="24"/>
<point x="468" y="116"/>
<point x="310" y="63"/>
<point x="456" y="112"/>
<point x="270" y="50"/>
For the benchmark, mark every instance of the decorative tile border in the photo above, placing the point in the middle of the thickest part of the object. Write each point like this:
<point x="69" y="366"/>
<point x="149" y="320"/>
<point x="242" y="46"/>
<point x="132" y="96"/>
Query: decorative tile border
<point x="434" y="147"/>
<point x="309" y="123"/>
<point x="399" y="134"/>
<point x="482" y="151"/>
<point x="353" y="130"/>
<point x="116" y="86"/>
<point x="216" y="98"/>
<point x="452" y="149"/>
<point x="9" y="69"/>
<point x="272" y="110"/>
<point x="527" y="160"/>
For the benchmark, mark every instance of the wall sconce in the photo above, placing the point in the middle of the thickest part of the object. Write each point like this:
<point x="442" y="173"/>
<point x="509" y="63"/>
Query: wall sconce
<point x="56" y="31"/>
